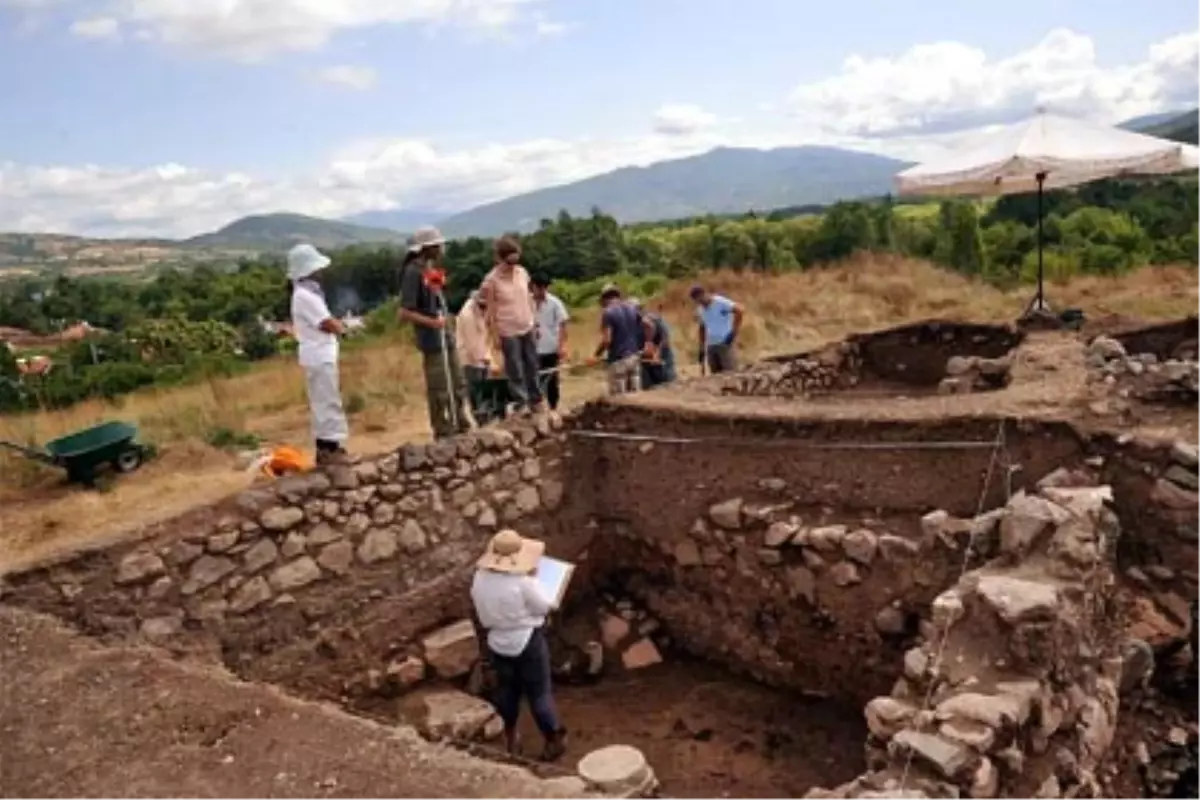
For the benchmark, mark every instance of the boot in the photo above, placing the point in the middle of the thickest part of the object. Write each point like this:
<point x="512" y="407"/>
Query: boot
<point x="556" y="745"/>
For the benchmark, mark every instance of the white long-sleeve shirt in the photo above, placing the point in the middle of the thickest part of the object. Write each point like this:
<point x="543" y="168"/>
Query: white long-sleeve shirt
<point x="510" y="608"/>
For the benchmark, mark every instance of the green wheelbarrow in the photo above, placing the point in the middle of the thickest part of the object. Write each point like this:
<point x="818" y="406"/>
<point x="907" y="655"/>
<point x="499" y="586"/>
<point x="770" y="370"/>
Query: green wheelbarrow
<point x="82" y="453"/>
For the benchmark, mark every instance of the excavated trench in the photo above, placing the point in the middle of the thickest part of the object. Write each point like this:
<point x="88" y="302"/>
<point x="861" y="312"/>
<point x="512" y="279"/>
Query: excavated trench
<point x="753" y="579"/>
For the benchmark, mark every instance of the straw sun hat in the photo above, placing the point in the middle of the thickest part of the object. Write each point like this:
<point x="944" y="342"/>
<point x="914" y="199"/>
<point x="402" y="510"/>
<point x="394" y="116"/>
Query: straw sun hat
<point x="508" y="551"/>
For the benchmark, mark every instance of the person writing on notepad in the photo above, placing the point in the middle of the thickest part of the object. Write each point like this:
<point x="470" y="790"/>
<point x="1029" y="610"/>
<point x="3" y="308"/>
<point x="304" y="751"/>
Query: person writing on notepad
<point x="511" y="605"/>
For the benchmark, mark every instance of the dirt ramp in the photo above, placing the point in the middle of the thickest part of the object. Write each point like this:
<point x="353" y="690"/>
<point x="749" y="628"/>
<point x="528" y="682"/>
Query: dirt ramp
<point x="79" y="720"/>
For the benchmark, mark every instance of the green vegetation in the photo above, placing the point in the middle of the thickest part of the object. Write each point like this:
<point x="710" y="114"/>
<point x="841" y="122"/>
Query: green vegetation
<point x="185" y="324"/>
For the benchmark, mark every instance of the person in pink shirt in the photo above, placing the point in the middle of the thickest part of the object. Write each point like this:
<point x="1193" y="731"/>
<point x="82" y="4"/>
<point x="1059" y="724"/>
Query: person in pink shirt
<point x="512" y="319"/>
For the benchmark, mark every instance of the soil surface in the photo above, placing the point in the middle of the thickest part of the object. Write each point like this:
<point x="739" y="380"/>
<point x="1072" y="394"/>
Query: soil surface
<point x="79" y="720"/>
<point x="708" y="733"/>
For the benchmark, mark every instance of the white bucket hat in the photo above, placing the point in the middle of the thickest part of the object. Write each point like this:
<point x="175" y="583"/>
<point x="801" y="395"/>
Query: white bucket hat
<point x="509" y="551"/>
<point x="428" y="236"/>
<point x="303" y="260"/>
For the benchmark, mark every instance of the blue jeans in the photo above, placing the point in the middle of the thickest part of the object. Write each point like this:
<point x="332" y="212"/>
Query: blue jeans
<point x="526" y="675"/>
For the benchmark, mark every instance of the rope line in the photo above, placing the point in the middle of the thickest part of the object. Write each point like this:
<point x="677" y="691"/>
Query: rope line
<point x="999" y="450"/>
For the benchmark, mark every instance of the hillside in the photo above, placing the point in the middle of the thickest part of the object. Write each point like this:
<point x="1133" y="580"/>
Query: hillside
<point x="281" y="231"/>
<point x="721" y="181"/>
<point x="402" y="220"/>
<point x="1183" y="127"/>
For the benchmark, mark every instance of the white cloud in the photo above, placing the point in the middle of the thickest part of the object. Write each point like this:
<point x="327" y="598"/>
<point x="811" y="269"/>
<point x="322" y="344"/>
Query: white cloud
<point x="950" y="85"/>
<point x="96" y="28"/>
<point x="174" y="200"/>
<point x="349" y="76"/>
<point x="682" y="119"/>
<point x="547" y="28"/>
<point x="252" y="30"/>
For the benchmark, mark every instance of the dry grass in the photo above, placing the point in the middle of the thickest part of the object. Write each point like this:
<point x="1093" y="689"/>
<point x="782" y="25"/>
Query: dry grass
<point x="382" y="380"/>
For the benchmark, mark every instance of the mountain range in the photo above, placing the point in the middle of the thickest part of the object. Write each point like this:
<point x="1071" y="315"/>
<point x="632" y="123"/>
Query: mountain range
<point x="725" y="180"/>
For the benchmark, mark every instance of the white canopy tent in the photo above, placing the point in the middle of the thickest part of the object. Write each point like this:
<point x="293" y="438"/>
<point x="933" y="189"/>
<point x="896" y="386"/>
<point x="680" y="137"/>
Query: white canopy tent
<point x="1048" y="151"/>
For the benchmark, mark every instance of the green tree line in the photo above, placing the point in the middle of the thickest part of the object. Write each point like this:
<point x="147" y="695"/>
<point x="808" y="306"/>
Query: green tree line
<point x="1103" y="228"/>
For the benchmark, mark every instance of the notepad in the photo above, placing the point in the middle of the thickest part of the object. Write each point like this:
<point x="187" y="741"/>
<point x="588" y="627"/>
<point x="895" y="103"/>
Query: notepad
<point x="553" y="576"/>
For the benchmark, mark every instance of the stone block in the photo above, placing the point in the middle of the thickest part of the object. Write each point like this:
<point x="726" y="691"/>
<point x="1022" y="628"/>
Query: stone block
<point x="378" y="545"/>
<point x="453" y="650"/>
<point x="140" y="566"/>
<point x="281" y="518"/>
<point x="295" y="575"/>
<point x="450" y="714"/>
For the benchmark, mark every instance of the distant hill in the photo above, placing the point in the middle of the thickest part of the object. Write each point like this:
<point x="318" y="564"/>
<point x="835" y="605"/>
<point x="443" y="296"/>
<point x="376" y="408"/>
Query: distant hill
<point x="281" y="231"/>
<point x="726" y="180"/>
<point x="402" y="220"/>
<point x="1184" y="127"/>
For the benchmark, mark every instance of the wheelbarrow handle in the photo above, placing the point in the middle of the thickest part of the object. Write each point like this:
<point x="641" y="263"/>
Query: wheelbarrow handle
<point x="30" y="452"/>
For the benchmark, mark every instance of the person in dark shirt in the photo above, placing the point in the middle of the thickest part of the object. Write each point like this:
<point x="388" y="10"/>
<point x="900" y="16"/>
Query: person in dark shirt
<point x="423" y="304"/>
<point x="622" y="335"/>
<point x="658" y="365"/>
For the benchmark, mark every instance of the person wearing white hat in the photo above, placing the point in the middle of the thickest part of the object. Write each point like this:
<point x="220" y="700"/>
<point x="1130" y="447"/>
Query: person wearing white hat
<point x="317" y="332"/>
<point x="423" y="303"/>
<point x="512" y="607"/>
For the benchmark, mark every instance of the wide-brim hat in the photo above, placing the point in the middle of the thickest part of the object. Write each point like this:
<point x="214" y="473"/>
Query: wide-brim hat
<point x="509" y="551"/>
<point x="304" y="260"/>
<point x="427" y="236"/>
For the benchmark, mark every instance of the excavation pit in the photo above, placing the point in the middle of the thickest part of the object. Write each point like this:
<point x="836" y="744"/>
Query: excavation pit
<point x="787" y="558"/>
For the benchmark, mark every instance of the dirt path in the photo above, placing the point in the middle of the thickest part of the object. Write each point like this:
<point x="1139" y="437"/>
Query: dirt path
<point x="78" y="720"/>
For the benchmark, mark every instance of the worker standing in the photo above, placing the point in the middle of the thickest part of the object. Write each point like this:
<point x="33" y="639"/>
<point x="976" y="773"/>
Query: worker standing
<point x="552" y="317"/>
<point x="317" y="333"/>
<point x="505" y="290"/>
<point x="423" y="303"/>
<point x="720" y="321"/>
<point x="623" y="333"/>
<point x="475" y="351"/>
<point x="658" y="360"/>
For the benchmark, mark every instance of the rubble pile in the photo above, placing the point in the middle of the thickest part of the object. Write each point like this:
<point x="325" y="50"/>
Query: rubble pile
<point x="1021" y="698"/>
<point x="835" y="367"/>
<point x="974" y="374"/>
<point x="1143" y="376"/>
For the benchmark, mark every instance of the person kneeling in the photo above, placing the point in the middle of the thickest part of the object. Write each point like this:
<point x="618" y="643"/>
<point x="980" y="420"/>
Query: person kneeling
<point x="511" y="607"/>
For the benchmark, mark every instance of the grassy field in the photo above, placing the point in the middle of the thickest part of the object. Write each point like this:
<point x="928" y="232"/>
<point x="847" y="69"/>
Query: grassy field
<point x="382" y="382"/>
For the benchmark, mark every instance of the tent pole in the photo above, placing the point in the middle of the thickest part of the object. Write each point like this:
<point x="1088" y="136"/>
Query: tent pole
<point x="1040" y="300"/>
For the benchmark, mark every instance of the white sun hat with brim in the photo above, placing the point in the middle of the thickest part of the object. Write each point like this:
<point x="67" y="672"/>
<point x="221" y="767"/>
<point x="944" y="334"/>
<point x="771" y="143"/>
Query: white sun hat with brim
<point x="427" y="236"/>
<point x="304" y="260"/>
<point x="509" y="551"/>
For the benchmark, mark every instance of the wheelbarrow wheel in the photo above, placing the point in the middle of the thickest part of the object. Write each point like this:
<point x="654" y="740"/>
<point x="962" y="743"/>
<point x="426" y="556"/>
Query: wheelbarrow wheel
<point x="128" y="460"/>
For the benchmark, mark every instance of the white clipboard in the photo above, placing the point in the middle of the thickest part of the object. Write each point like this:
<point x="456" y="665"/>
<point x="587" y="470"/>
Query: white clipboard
<point x="553" y="576"/>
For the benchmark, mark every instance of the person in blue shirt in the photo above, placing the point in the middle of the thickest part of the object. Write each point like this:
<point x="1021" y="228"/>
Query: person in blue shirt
<point x="720" y="322"/>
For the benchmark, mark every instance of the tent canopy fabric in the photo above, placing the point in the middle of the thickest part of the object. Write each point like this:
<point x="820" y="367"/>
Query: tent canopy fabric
<point x="1067" y="151"/>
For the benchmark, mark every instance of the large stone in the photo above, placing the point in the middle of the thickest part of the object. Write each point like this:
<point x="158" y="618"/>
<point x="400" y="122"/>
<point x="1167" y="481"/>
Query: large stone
<point x="727" y="514"/>
<point x="617" y="770"/>
<point x="295" y="575"/>
<point x="261" y="555"/>
<point x="222" y="542"/>
<point x="412" y="537"/>
<point x="1019" y="600"/>
<point x="450" y="714"/>
<point x="973" y="734"/>
<point x="293" y="545"/>
<point x="897" y="548"/>
<point x="250" y="595"/>
<point x="641" y="653"/>
<point x="206" y="571"/>
<point x="527" y="500"/>
<point x="159" y="629"/>
<point x="1028" y="516"/>
<point x="378" y="545"/>
<point x="995" y="710"/>
<point x="407" y="671"/>
<point x="886" y="716"/>
<point x="860" y="545"/>
<point x="827" y="538"/>
<point x="687" y="553"/>
<point x="281" y="518"/>
<point x="779" y="534"/>
<point x="1173" y="496"/>
<point x="384" y="514"/>
<point x="950" y="759"/>
<point x="414" y="457"/>
<point x="452" y="651"/>
<point x="336" y="557"/>
<point x="183" y="553"/>
<point x="323" y="534"/>
<point x="140" y="566"/>
<point x="1185" y="478"/>
<point x="844" y="573"/>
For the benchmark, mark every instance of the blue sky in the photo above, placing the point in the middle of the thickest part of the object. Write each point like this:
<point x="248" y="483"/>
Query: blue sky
<point x="145" y="116"/>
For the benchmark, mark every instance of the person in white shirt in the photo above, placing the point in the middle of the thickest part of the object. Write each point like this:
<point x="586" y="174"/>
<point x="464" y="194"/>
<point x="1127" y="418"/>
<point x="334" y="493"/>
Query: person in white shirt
<point x="317" y="333"/>
<point x="511" y="606"/>
<point x="551" y="317"/>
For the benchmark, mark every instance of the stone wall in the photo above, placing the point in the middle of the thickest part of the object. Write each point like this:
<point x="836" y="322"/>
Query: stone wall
<point x="329" y="582"/>
<point x="1015" y="693"/>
